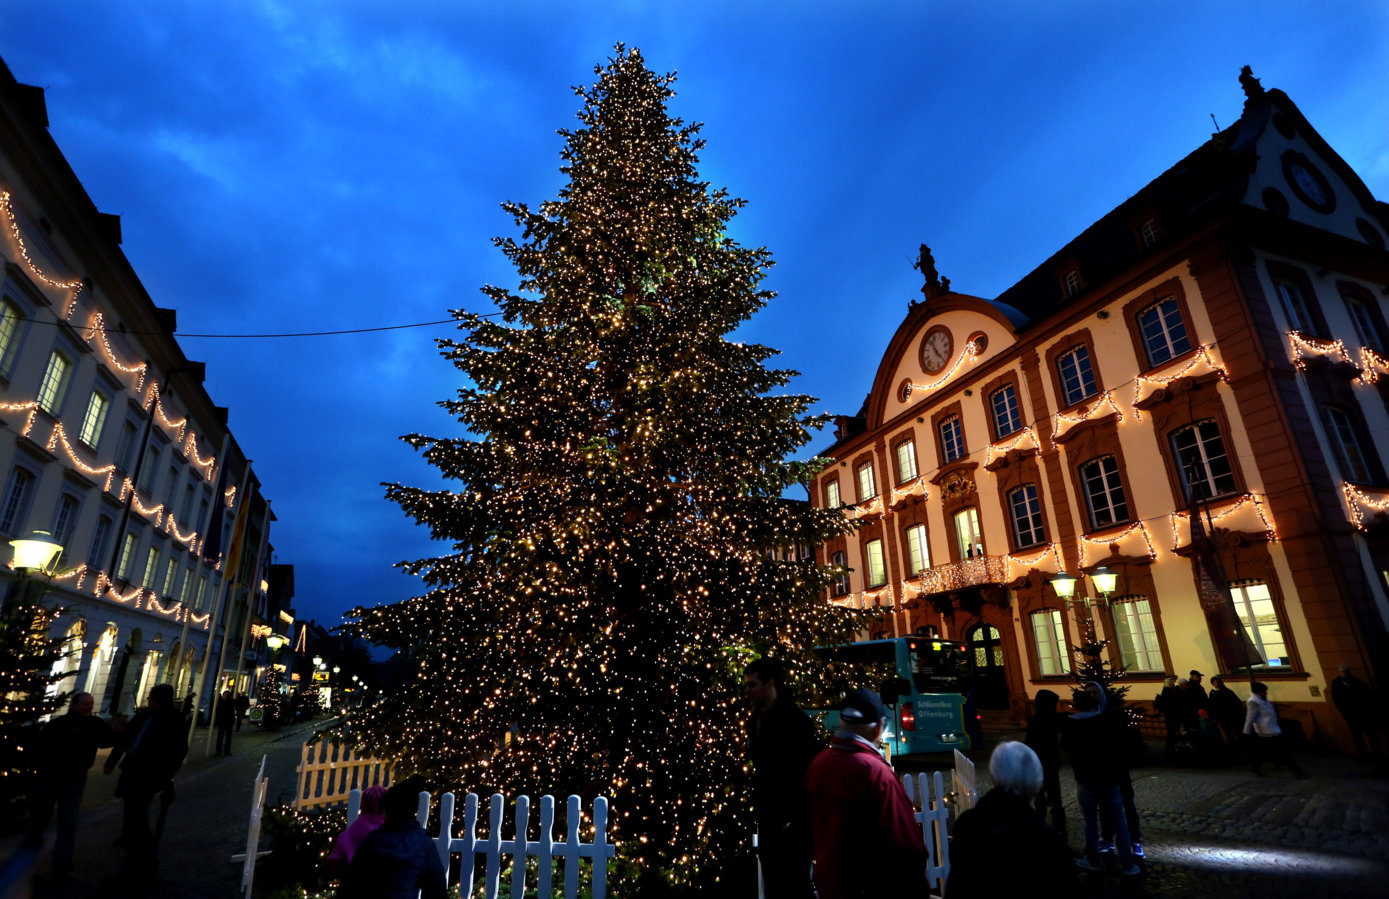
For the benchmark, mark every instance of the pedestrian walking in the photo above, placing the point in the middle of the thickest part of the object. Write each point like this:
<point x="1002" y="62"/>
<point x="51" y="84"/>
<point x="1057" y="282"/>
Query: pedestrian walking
<point x="1094" y="745"/>
<point x="371" y="816"/>
<point x="1044" y="739"/>
<point x="149" y="751"/>
<point x="867" y="840"/>
<point x="398" y="860"/>
<point x="1268" y="744"/>
<point x="225" y="720"/>
<point x="65" y="751"/>
<point x="782" y="741"/>
<point x="1170" y="703"/>
<point x="1355" y="701"/>
<point x="1228" y="711"/>
<point x="1001" y="847"/>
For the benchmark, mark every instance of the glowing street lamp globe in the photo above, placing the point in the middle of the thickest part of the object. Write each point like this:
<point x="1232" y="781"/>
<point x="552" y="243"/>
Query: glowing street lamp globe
<point x="36" y="552"/>
<point x="275" y="641"/>
<point x="1064" y="584"/>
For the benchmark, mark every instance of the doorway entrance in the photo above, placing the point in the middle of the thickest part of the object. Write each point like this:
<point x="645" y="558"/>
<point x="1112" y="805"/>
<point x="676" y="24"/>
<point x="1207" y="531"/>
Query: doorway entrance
<point x="990" y="679"/>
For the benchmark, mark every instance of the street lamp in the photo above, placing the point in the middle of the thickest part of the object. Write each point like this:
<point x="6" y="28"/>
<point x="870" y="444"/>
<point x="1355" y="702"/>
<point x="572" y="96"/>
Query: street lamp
<point x="1105" y="581"/>
<point x="318" y="661"/>
<point x="36" y="552"/>
<point x="1065" y="586"/>
<point x="275" y="641"/>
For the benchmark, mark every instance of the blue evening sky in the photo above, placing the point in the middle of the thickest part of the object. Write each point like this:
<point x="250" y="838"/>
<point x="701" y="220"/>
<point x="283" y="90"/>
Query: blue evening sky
<point x="301" y="165"/>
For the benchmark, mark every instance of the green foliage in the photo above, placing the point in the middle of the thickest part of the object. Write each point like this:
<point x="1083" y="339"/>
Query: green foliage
<point x="615" y="518"/>
<point x="27" y="656"/>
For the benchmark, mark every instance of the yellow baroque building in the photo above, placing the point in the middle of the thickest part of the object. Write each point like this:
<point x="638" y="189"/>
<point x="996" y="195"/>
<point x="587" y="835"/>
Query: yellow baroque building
<point x="1220" y="333"/>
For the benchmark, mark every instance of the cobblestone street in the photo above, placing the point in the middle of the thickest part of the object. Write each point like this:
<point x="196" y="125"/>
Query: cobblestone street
<point x="1228" y="833"/>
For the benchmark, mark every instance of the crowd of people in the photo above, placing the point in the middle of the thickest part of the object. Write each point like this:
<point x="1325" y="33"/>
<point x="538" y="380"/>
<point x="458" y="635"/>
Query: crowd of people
<point x="843" y="807"/>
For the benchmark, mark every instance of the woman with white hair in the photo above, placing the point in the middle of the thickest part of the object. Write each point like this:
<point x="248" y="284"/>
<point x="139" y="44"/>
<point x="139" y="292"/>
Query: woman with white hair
<point x="1001" y="846"/>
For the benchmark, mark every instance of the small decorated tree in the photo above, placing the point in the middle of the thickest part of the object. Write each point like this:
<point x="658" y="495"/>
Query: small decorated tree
<point x="272" y="698"/>
<point x="28" y="655"/>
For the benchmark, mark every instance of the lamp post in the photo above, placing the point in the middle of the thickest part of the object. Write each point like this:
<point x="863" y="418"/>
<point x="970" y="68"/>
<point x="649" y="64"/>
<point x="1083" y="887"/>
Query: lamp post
<point x="1065" y="586"/>
<point x="37" y="552"/>
<point x="1105" y="581"/>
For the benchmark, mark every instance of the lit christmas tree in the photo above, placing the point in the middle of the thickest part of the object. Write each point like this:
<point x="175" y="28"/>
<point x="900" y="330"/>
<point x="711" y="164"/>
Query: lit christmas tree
<point x="272" y="698"/>
<point x="27" y="658"/>
<point x="620" y="544"/>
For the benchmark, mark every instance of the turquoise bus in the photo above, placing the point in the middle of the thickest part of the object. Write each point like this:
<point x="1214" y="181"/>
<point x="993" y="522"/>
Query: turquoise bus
<point x="925" y="696"/>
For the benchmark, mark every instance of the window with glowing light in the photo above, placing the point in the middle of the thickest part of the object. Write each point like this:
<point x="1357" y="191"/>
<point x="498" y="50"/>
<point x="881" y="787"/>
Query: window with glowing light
<point x="1349" y="456"/>
<point x="867" y="488"/>
<point x="1049" y="639"/>
<point x="1137" y="633"/>
<point x="1003" y="403"/>
<point x="96" y="553"/>
<point x="1026" y="512"/>
<point x="15" y="504"/>
<point x="873" y="557"/>
<point x="832" y="500"/>
<point x="952" y="440"/>
<point x="94" y="419"/>
<point x="1257" y="612"/>
<point x="127" y="561"/>
<point x="10" y="317"/>
<point x="968" y="538"/>
<point x="1077" y="375"/>
<point x="151" y="567"/>
<point x="54" y="387"/>
<point x="1104" y="492"/>
<point x="1164" y="332"/>
<point x="1201" y="460"/>
<point x="918" y="552"/>
<point x="906" y="461"/>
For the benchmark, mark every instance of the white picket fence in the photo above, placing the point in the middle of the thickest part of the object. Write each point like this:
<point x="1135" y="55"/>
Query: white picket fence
<point x="328" y="773"/>
<point x="963" y="784"/>
<point x="545" y="850"/>
<point x="934" y="818"/>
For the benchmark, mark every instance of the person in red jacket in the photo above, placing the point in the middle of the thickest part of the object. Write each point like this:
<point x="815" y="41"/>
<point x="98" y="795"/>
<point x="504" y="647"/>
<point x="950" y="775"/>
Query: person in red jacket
<point x="867" y="839"/>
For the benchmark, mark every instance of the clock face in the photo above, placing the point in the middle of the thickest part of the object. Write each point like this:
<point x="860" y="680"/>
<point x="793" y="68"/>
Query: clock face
<point x="936" y="350"/>
<point x="1307" y="183"/>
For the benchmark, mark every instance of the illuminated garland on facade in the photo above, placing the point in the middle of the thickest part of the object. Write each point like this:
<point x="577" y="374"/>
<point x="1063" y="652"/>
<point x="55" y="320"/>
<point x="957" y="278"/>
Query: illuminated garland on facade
<point x="994" y="450"/>
<point x="1202" y="357"/>
<point x="1300" y="346"/>
<point x="1084" y="543"/>
<point x="1357" y="500"/>
<point x="915" y="487"/>
<point x="969" y="352"/>
<point x="1248" y="500"/>
<point x="1089" y="411"/>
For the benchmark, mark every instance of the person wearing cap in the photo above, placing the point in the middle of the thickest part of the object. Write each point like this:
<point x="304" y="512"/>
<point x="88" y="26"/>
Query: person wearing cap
<point x="1196" y="701"/>
<point x="867" y="839"/>
<point x="1001" y="847"/>
<point x="782" y="742"/>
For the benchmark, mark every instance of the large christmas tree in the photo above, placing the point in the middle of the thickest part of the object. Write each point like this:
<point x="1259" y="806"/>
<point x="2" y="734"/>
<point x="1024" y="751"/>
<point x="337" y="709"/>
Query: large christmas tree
<point x="29" y="687"/>
<point x="620" y="544"/>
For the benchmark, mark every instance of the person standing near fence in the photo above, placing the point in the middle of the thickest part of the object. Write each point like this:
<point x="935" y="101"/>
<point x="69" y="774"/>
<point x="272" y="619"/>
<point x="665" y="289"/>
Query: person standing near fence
<point x="66" y="749"/>
<point x="1003" y="823"/>
<point x="867" y="840"/>
<point x="397" y="860"/>
<point x="782" y="742"/>
<point x="150" y="750"/>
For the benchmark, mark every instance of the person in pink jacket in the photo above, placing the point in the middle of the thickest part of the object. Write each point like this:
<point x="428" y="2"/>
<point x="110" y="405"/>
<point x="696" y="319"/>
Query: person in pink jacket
<point x="370" y="817"/>
<point x="867" y="839"/>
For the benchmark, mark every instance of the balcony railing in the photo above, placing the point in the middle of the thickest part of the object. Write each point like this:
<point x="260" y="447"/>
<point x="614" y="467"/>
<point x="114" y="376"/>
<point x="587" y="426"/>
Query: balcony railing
<point x="973" y="572"/>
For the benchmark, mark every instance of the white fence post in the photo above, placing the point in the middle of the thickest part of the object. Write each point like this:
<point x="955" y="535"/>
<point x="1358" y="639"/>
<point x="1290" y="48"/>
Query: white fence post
<point x="248" y="859"/>
<point x="521" y="847"/>
<point x="934" y="818"/>
<point x="962" y="783"/>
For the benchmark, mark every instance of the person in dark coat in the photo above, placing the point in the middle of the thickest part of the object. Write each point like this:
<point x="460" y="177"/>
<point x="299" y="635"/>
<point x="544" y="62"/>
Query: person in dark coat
<point x="1228" y="711"/>
<point x="1195" y="701"/>
<point x="66" y="748"/>
<point x="149" y="752"/>
<point x="867" y="839"/>
<point x="397" y="860"/>
<point x="1355" y="701"/>
<point x="1170" y="702"/>
<point x="1094" y="746"/>
<point x="225" y="720"/>
<point x="782" y="741"/>
<point x="1044" y="739"/>
<point x="1001" y="847"/>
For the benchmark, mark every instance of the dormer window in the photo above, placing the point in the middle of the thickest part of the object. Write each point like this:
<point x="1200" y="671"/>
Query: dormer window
<point x="1070" y="282"/>
<point x="1149" y="232"/>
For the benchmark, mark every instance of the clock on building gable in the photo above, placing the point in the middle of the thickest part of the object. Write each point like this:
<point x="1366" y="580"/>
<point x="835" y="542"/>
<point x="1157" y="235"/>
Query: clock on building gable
<point x="936" y="349"/>
<point x="1307" y="183"/>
